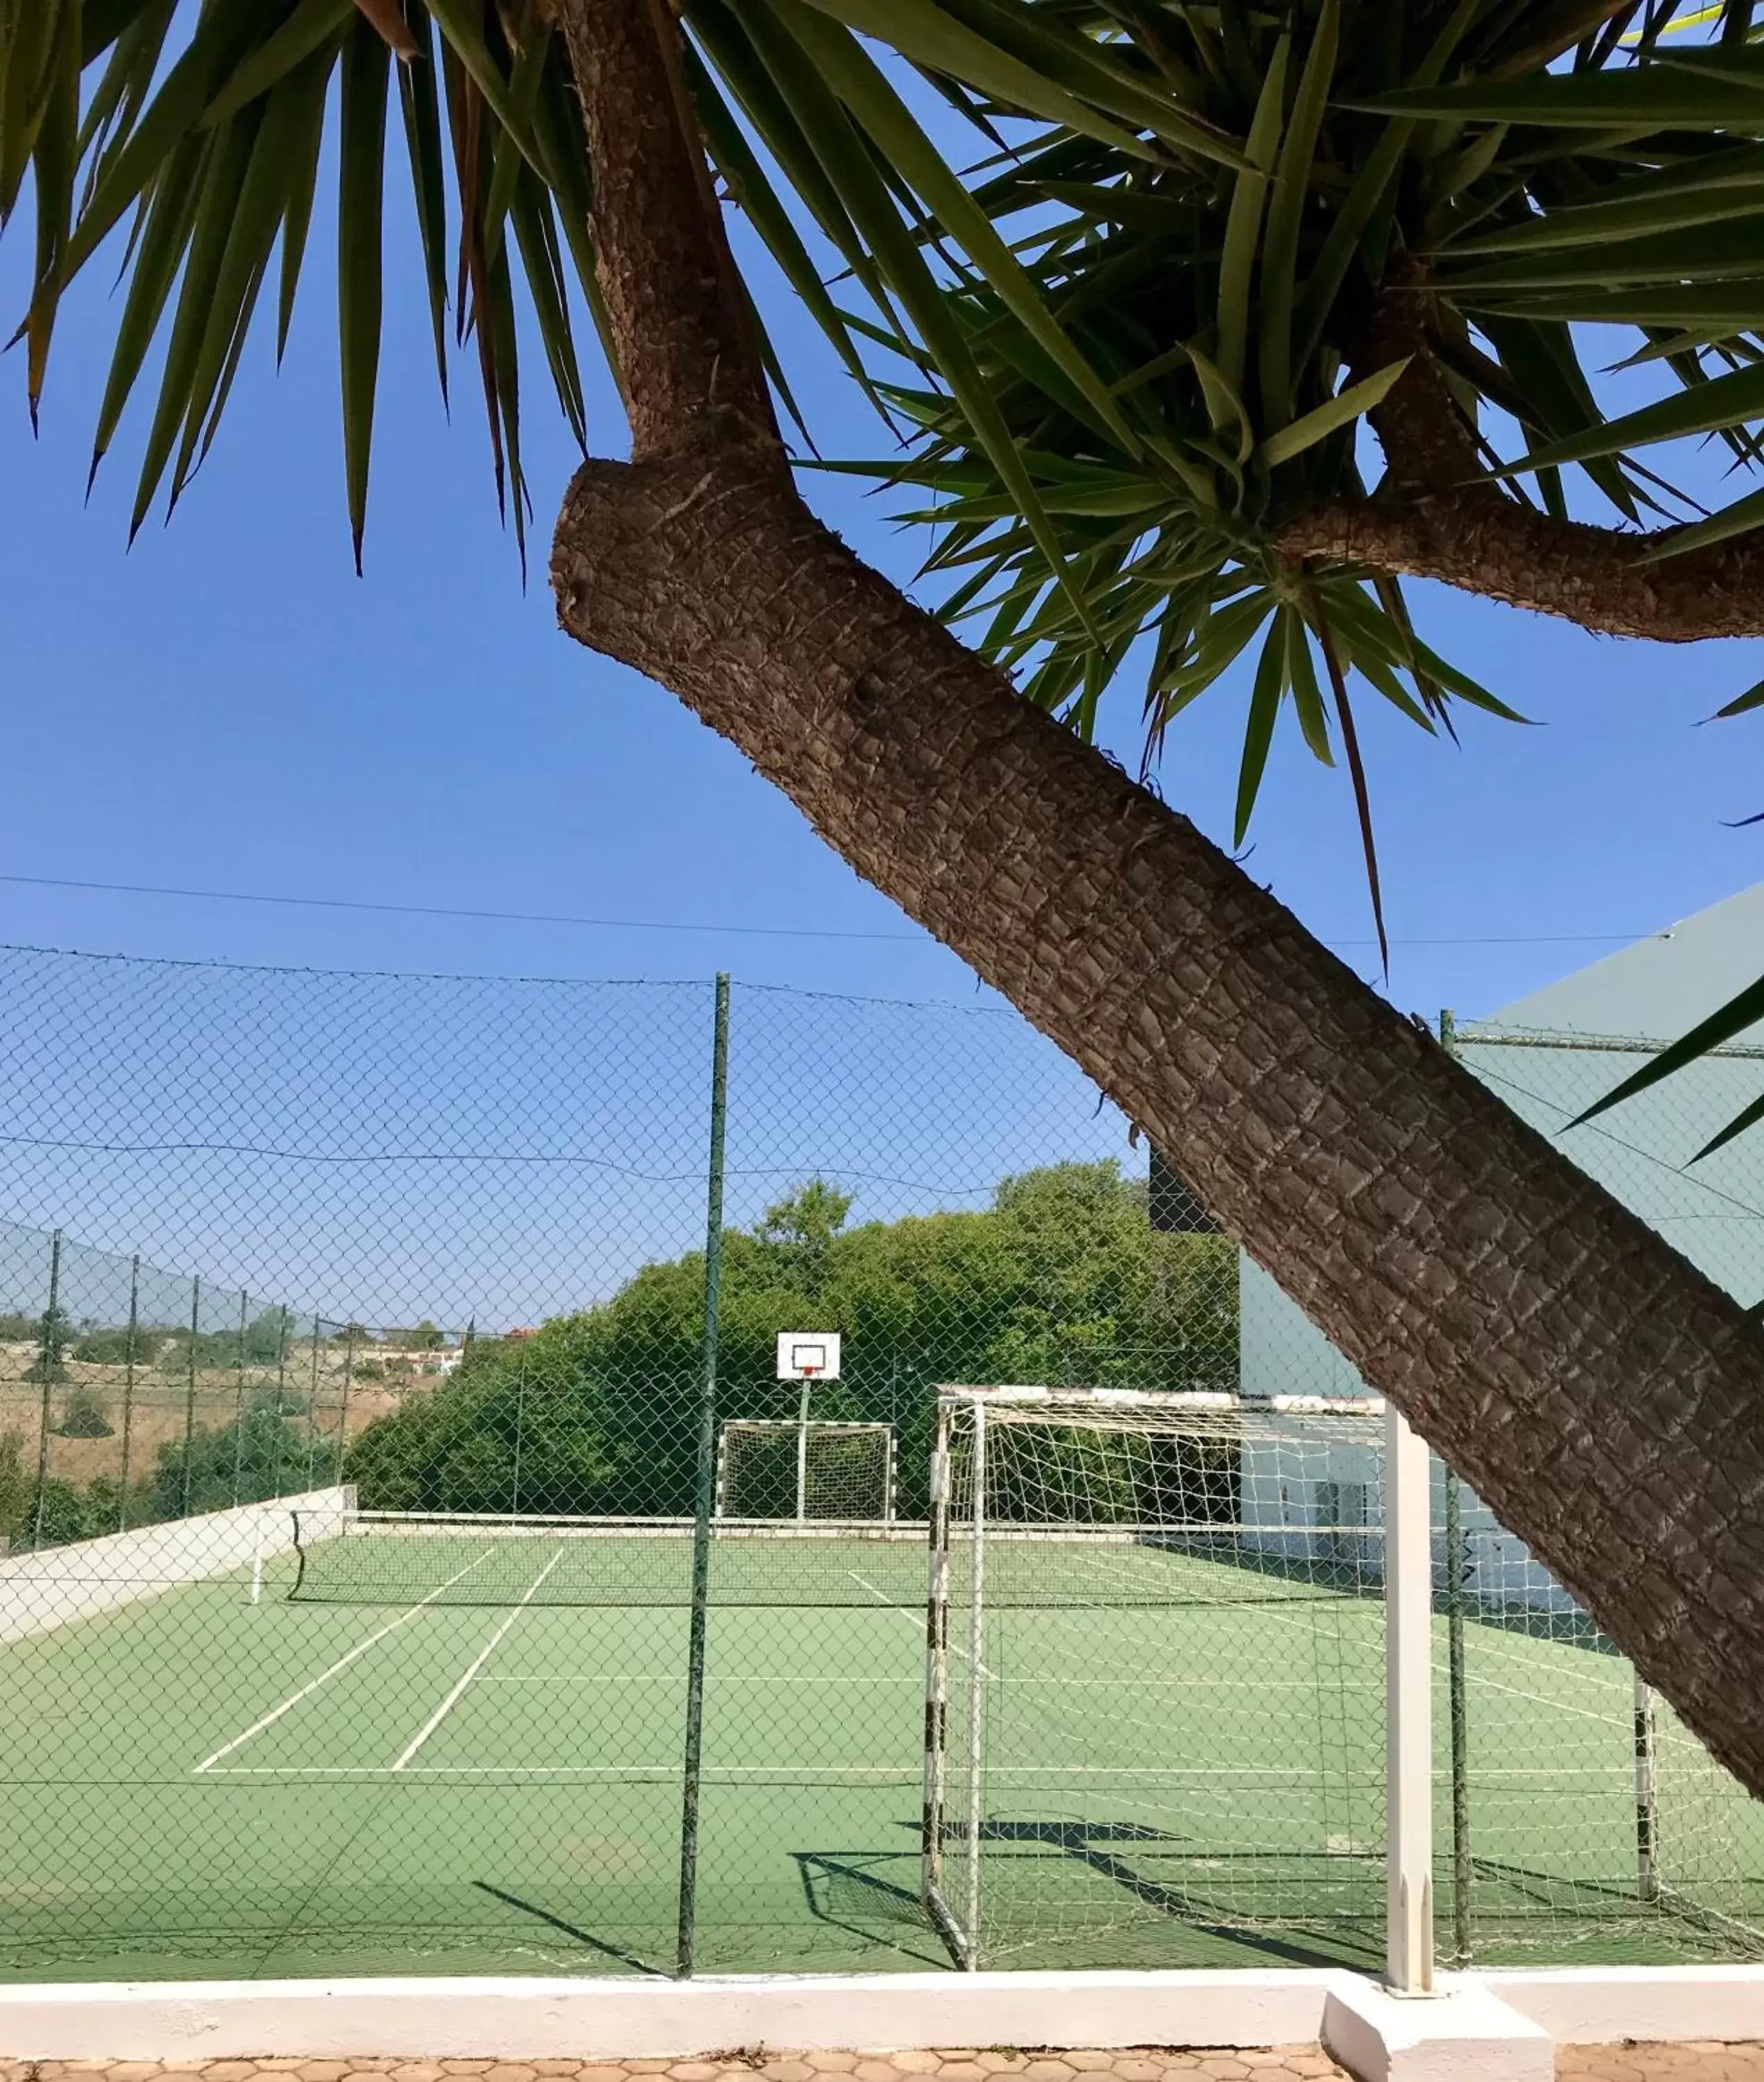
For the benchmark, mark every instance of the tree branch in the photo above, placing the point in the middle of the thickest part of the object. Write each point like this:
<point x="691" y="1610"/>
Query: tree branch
<point x="682" y="334"/>
<point x="1436" y="516"/>
<point x="1484" y="543"/>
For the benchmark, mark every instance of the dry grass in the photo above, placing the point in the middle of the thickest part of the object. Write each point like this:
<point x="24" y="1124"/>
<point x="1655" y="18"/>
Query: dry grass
<point x="157" y="1405"/>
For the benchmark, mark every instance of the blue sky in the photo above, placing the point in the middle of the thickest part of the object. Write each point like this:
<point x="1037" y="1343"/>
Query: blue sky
<point x="229" y="707"/>
<point x="386" y="1148"/>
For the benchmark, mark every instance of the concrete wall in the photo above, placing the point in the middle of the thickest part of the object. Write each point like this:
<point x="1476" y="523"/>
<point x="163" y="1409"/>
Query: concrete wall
<point x="56" y="1586"/>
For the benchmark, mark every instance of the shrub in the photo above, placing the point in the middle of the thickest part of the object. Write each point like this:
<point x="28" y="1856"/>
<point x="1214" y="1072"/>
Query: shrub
<point x="241" y="1463"/>
<point x="55" y="1515"/>
<point x="15" y="1485"/>
<point x="83" y="1416"/>
<point x="111" y="1347"/>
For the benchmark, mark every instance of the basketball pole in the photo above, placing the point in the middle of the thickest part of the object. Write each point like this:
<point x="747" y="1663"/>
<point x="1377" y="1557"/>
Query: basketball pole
<point x="802" y="1451"/>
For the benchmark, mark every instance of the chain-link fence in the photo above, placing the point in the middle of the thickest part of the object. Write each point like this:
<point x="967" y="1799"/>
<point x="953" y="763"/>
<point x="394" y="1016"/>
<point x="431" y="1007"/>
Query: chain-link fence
<point x="386" y="1594"/>
<point x="1621" y="1827"/>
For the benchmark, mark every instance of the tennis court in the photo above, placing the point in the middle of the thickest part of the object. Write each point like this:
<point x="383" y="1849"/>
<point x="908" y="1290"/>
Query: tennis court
<point x="462" y="1753"/>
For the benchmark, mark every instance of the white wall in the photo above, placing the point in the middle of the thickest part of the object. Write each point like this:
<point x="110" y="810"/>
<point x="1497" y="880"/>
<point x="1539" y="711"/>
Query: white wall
<point x="56" y="1586"/>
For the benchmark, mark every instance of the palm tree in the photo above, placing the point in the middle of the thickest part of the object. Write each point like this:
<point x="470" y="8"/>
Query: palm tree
<point x="1228" y="236"/>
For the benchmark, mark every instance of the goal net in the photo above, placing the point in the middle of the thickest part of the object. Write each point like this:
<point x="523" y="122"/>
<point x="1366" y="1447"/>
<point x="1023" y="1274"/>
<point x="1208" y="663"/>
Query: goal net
<point x="782" y="1469"/>
<point x="1578" y="1801"/>
<point x="1155" y="1669"/>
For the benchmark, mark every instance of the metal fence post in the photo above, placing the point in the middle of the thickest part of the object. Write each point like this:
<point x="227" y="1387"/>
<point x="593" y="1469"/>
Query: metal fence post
<point x="190" y="1391"/>
<point x="520" y="1433"/>
<point x="312" y="1410"/>
<point x="687" y="1948"/>
<point x="128" y="1387"/>
<point x="1457" y="1571"/>
<point x="1408" y="1598"/>
<point x="239" y="1404"/>
<point x="1457" y="1583"/>
<point x="48" y="1360"/>
<point x="342" y="1406"/>
<point x="282" y="1319"/>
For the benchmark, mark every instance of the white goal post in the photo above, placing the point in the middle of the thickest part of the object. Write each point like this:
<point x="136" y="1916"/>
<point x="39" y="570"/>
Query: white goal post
<point x="805" y="1469"/>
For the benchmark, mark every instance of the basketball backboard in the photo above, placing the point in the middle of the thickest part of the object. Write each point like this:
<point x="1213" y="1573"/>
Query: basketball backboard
<point x="808" y="1355"/>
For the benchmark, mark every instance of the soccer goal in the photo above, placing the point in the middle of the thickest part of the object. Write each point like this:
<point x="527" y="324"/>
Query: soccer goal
<point x="1155" y="1672"/>
<point x="1218" y="1659"/>
<point x="784" y="1468"/>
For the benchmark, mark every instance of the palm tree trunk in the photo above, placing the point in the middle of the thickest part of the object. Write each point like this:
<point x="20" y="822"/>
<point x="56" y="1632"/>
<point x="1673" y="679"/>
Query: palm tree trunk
<point x="1604" y="1397"/>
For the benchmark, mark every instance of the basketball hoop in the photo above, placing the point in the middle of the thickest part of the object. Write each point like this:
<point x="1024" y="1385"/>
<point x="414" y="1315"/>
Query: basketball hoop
<point x="808" y="1355"/>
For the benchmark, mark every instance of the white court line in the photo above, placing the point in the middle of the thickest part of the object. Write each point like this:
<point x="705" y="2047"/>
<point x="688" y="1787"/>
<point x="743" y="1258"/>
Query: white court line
<point x="1070" y="1684"/>
<point x="785" y="1773"/>
<point x="914" y="1619"/>
<point x="677" y="1680"/>
<point x="1612" y="1720"/>
<point x="342" y="1663"/>
<point x="478" y="1663"/>
<point x="908" y="1773"/>
<point x="1616" y="1714"/>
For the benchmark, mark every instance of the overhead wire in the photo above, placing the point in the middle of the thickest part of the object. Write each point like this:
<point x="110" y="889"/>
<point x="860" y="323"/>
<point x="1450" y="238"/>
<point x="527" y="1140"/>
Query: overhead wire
<point x="719" y="927"/>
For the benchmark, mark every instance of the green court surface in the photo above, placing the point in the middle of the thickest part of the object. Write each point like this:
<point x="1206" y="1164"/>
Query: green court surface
<point x="194" y="1785"/>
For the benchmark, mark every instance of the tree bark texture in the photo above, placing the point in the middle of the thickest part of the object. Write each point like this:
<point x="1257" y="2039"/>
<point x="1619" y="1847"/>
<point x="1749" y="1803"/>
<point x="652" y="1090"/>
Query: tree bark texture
<point x="1478" y="540"/>
<point x="1605" y="1399"/>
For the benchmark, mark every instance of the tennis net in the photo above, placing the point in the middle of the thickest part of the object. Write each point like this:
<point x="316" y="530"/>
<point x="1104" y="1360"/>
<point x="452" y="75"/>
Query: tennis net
<point x="347" y="1557"/>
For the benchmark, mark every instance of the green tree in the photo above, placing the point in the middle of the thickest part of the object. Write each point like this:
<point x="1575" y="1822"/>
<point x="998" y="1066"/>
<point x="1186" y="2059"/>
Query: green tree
<point x="114" y="1347"/>
<point x="1139" y="347"/>
<point x="806" y="1222"/>
<point x="214" y="1351"/>
<point x="52" y="1329"/>
<point x="523" y="1432"/>
<point x="1060" y="1281"/>
<point x="16" y="1487"/>
<point x="56" y="1513"/>
<point x="240" y="1463"/>
<point x="268" y="1335"/>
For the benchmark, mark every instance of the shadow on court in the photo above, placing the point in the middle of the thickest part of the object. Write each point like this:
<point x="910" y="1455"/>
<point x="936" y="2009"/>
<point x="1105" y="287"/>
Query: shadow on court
<point x="847" y="1890"/>
<point x="571" y="1930"/>
<point x="1190" y="1896"/>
